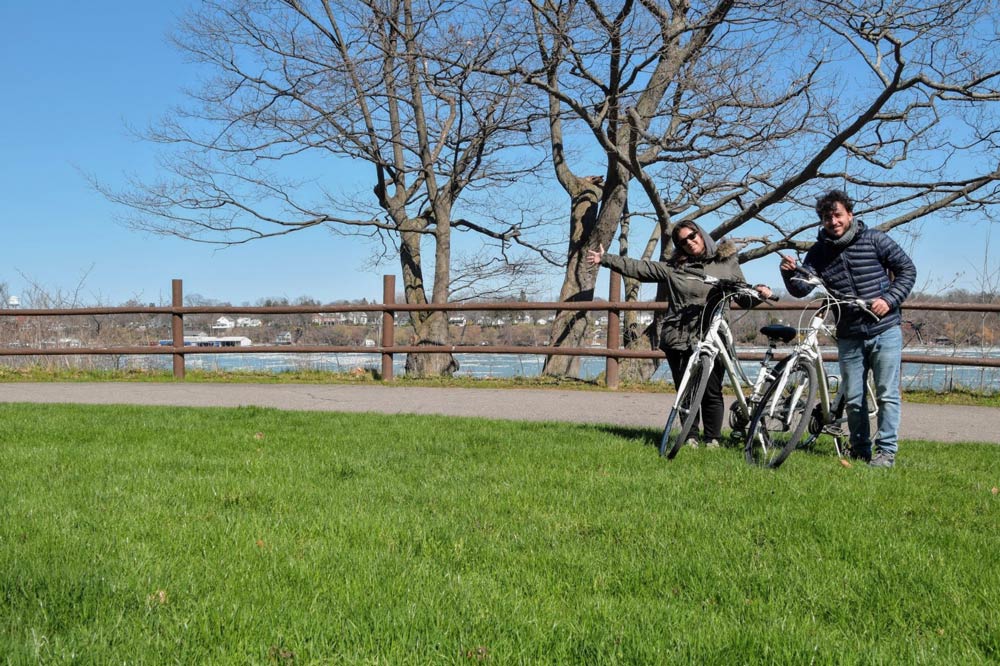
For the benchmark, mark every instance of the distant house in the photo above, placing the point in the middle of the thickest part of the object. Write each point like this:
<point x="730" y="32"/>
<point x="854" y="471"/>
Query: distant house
<point x="248" y="322"/>
<point x="332" y="319"/>
<point x="223" y="324"/>
<point x="326" y="319"/>
<point x="62" y="342"/>
<point x="211" y="341"/>
<point x="283" y="339"/>
<point x="457" y="320"/>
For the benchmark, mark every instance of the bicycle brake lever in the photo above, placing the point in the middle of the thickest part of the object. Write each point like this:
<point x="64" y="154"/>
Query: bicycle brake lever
<point x="866" y="306"/>
<point x="756" y="294"/>
<point x="810" y="279"/>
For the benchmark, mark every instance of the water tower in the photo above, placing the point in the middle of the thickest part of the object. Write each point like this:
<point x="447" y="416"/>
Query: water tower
<point x="13" y="302"/>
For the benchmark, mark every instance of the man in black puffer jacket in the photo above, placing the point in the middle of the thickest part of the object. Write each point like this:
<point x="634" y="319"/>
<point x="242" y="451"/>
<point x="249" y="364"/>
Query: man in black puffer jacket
<point x="863" y="262"/>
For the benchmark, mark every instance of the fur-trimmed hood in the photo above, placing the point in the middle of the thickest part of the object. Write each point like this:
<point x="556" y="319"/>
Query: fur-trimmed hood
<point x="725" y="249"/>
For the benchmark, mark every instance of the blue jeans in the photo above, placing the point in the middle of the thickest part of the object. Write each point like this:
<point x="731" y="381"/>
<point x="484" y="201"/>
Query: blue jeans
<point x="880" y="354"/>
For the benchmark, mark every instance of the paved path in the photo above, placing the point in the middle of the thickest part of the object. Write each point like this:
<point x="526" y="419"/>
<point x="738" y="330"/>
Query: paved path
<point x="940" y="423"/>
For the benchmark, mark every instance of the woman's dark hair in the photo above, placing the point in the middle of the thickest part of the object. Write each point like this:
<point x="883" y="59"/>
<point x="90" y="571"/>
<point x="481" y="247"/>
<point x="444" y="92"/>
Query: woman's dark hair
<point x="826" y="203"/>
<point x="676" y="232"/>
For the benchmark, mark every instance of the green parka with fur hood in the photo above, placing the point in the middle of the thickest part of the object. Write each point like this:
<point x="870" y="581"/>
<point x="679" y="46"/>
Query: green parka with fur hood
<point x="680" y="326"/>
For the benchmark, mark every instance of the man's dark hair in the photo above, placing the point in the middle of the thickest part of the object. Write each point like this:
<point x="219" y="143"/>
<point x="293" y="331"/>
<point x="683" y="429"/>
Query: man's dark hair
<point x="826" y="202"/>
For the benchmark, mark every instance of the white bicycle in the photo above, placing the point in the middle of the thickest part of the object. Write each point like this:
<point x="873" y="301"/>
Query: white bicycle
<point x="800" y="399"/>
<point x="716" y="345"/>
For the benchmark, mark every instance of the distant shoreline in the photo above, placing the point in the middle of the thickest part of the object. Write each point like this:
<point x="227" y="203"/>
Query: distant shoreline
<point x="915" y="376"/>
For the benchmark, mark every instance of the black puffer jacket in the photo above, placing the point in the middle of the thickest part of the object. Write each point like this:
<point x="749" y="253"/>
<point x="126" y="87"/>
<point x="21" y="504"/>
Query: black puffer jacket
<point x="680" y="326"/>
<point x="872" y="265"/>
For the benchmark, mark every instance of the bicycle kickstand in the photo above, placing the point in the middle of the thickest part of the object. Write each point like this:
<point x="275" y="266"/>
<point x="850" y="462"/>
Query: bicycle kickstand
<point x="842" y="444"/>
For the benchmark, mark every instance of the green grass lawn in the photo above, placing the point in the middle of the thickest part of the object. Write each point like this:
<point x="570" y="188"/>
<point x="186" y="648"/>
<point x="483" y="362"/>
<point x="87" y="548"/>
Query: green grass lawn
<point x="193" y="536"/>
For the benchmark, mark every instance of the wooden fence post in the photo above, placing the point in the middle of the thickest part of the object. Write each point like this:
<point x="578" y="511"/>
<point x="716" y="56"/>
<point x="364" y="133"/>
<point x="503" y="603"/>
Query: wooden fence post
<point x="177" y="327"/>
<point x="614" y="331"/>
<point x="388" y="325"/>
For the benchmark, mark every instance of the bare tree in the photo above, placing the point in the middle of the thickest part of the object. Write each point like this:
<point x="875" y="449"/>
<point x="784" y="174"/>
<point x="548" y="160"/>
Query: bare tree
<point x="735" y="113"/>
<point x="732" y="113"/>
<point x="392" y="85"/>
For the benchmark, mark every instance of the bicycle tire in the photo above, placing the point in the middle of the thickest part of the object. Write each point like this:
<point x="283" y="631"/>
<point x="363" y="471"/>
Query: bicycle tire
<point x="774" y="434"/>
<point x="687" y="406"/>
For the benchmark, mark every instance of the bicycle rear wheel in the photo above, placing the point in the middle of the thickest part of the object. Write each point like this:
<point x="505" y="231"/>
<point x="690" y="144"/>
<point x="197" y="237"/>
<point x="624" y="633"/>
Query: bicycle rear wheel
<point x="686" y="407"/>
<point x="781" y="417"/>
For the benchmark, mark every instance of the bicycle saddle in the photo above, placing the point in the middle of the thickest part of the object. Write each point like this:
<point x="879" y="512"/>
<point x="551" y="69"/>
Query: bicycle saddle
<point x="779" y="332"/>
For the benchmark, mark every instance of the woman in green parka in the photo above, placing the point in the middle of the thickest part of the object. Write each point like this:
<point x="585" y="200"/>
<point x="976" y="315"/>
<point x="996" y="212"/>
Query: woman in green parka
<point x="680" y="327"/>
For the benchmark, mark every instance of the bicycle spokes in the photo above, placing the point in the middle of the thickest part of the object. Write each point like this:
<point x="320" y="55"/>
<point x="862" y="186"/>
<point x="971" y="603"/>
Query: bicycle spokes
<point x="782" y="417"/>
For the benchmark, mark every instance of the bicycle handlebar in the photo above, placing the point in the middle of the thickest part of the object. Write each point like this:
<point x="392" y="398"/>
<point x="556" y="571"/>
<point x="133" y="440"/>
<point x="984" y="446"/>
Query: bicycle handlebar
<point x="730" y="286"/>
<point x="816" y="281"/>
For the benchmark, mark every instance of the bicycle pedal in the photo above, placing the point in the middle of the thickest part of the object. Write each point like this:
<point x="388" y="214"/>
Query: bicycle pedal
<point x="835" y="431"/>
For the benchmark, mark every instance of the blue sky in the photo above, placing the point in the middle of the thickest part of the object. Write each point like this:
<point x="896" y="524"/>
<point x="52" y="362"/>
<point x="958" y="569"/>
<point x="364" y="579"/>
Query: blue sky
<point x="78" y="74"/>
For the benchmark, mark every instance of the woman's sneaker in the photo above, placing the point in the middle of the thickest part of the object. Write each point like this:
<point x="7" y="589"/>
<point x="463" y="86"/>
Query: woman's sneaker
<point x="713" y="444"/>
<point x="883" y="459"/>
<point x="861" y="455"/>
<point x="692" y="442"/>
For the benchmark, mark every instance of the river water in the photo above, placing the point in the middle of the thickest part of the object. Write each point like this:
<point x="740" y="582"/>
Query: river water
<point x="915" y="376"/>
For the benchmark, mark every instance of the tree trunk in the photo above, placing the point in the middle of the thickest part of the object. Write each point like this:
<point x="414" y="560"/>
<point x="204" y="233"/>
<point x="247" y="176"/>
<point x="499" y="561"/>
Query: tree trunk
<point x="597" y="225"/>
<point x="431" y="328"/>
<point x="569" y="328"/>
<point x="642" y="369"/>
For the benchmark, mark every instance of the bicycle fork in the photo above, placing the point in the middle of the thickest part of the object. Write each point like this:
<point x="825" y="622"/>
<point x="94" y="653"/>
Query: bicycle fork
<point x="828" y="415"/>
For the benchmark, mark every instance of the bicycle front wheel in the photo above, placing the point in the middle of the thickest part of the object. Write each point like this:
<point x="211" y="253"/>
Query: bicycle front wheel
<point x="781" y="417"/>
<point x="687" y="405"/>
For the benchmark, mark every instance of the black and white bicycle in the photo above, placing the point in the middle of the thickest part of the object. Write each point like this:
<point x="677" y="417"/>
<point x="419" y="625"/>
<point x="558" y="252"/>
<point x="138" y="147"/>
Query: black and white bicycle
<point x="716" y="346"/>
<point x="800" y="404"/>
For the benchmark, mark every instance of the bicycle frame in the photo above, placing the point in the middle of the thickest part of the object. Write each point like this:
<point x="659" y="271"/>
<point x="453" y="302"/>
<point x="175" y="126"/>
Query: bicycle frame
<point x="808" y="349"/>
<point x="716" y="345"/>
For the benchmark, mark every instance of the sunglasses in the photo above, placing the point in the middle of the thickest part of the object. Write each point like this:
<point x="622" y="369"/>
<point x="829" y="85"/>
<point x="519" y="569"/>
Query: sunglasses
<point x="687" y="239"/>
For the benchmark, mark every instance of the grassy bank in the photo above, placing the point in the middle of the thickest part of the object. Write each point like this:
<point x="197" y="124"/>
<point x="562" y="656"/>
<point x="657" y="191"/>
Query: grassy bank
<point x="258" y="536"/>
<point x="38" y="374"/>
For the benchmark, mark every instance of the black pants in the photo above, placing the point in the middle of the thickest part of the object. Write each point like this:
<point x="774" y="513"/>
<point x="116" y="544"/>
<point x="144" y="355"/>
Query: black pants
<point x="712" y="407"/>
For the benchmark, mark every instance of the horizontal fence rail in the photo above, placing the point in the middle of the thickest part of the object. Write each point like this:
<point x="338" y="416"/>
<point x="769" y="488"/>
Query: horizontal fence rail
<point x="387" y="348"/>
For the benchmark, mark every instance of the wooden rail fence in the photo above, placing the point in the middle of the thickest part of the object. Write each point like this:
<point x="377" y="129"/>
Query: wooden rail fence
<point x="612" y="351"/>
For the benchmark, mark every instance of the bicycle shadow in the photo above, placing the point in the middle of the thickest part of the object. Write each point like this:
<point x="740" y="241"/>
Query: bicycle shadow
<point x="644" y="436"/>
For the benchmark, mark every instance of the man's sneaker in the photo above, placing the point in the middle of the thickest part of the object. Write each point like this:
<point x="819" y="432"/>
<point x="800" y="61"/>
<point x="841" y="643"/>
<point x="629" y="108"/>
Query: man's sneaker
<point x="692" y="442"/>
<point x="712" y="444"/>
<point x="883" y="459"/>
